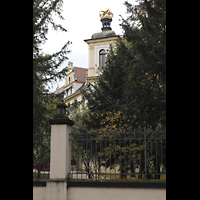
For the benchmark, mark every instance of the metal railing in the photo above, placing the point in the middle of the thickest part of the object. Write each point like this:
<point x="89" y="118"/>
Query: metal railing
<point x="136" y="154"/>
<point x="41" y="157"/>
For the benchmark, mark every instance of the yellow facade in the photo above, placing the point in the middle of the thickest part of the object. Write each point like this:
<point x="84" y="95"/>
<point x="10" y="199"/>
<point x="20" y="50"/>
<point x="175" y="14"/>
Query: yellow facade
<point x="95" y="45"/>
<point x="73" y="84"/>
<point x="99" y="42"/>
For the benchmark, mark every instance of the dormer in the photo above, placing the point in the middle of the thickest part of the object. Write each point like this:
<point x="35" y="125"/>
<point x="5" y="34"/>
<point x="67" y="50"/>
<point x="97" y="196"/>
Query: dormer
<point x="75" y="79"/>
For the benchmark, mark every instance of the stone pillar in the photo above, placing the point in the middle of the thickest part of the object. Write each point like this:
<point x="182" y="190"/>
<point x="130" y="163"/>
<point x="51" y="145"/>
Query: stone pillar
<point x="60" y="160"/>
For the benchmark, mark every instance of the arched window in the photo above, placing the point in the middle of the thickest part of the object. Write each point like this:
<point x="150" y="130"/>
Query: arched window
<point x="102" y="57"/>
<point x="69" y="80"/>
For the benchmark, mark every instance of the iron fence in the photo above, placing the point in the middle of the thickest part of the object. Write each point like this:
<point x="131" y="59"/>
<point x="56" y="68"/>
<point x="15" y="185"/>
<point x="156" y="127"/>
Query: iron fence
<point x="41" y="156"/>
<point x="135" y="154"/>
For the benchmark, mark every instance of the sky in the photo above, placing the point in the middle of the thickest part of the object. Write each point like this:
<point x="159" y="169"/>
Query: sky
<point x="81" y="21"/>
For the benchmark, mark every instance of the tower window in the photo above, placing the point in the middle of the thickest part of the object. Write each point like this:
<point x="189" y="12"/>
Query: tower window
<point x="102" y="58"/>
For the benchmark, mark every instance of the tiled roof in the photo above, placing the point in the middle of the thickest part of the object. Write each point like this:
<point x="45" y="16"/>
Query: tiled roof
<point x="59" y="90"/>
<point x="80" y="76"/>
<point x="80" y="73"/>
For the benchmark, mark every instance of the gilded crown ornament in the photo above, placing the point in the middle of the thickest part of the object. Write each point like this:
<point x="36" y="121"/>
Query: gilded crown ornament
<point x="105" y="14"/>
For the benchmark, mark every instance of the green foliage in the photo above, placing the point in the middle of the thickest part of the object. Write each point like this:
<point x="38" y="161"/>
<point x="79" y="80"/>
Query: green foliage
<point x="45" y="67"/>
<point x="81" y="118"/>
<point x="41" y="152"/>
<point x="134" y="79"/>
<point x="130" y="91"/>
<point x="45" y="71"/>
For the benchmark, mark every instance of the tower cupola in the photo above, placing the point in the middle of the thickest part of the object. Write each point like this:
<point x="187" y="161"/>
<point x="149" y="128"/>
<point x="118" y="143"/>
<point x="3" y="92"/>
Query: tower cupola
<point x="99" y="46"/>
<point x="106" y="19"/>
<point x="106" y="24"/>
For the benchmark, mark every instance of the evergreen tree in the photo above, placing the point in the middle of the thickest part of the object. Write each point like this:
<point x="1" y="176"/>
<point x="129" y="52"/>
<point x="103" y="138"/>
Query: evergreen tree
<point x="132" y="87"/>
<point x="45" y="67"/>
<point x="133" y="80"/>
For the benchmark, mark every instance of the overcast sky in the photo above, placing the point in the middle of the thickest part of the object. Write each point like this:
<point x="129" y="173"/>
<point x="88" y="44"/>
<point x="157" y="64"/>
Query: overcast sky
<point x="81" y="21"/>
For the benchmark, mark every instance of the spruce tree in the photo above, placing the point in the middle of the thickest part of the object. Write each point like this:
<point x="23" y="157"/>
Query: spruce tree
<point x="46" y="68"/>
<point x="133" y="80"/>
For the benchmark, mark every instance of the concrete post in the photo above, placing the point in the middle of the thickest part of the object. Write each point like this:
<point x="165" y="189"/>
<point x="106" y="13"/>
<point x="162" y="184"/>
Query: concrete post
<point x="60" y="160"/>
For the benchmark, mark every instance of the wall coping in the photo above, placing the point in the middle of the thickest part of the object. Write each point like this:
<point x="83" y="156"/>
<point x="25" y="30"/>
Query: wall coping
<point x="117" y="184"/>
<point x="39" y="183"/>
<point x="109" y="184"/>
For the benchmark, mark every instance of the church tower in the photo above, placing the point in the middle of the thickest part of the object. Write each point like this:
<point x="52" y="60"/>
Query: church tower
<point x="99" y="45"/>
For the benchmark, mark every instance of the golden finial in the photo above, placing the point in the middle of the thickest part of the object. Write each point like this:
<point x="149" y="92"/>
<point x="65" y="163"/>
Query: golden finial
<point x="105" y="14"/>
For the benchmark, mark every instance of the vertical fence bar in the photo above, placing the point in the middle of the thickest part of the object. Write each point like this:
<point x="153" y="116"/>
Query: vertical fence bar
<point x="125" y="175"/>
<point x="135" y="160"/>
<point x="156" y="154"/>
<point x="120" y="156"/>
<point x="145" y="153"/>
<point x="161" y="165"/>
<point x="151" y="152"/>
<point x="97" y="164"/>
<point x="44" y="169"/>
<point x="130" y="169"/>
<point x="87" y="156"/>
<point x="77" y="160"/>
<point x="105" y="156"/>
<point x="115" y="153"/>
<point x="91" y="160"/>
<point x="140" y="170"/>
<point x="99" y="150"/>
<point x="100" y="156"/>
<point x="110" y="156"/>
<point x="81" y="158"/>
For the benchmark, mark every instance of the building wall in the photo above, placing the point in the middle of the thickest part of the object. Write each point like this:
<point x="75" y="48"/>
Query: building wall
<point x="94" y="47"/>
<point x="95" y="193"/>
<point x="75" y="86"/>
<point x="71" y="75"/>
<point x="97" y="49"/>
<point x="86" y="193"/>
<point x="77" y="96"/>
<point x="39" y="193"/>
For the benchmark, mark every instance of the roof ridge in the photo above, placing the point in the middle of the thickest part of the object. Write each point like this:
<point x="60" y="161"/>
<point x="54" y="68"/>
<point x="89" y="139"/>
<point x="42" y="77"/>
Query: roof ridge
<point x="81" y="67"/>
